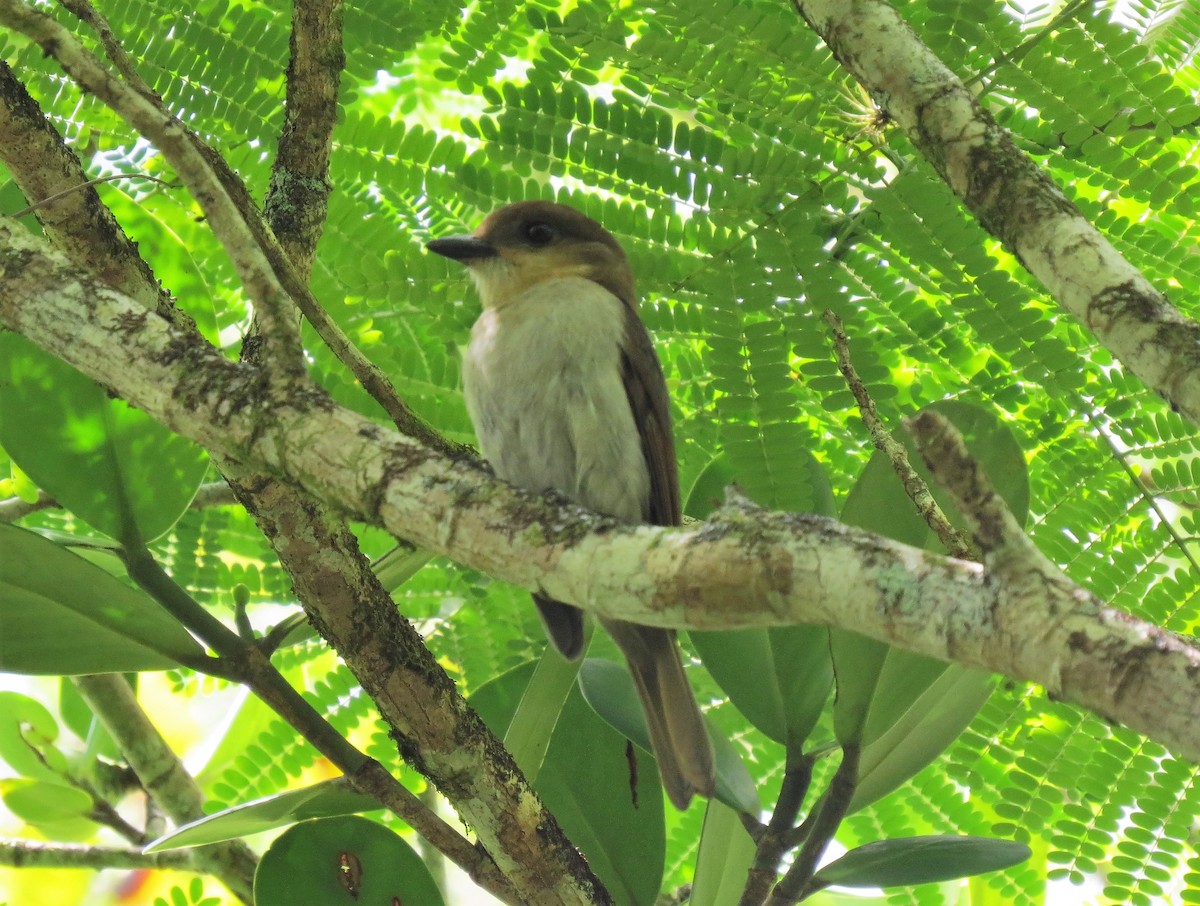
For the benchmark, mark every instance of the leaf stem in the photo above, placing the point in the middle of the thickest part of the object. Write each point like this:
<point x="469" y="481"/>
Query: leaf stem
<point x="797" y="883"/>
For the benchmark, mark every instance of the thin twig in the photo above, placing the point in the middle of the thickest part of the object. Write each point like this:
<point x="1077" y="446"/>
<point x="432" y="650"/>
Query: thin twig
<point x="83" y="185"/>
<point x="35" y="854"/>
<point x="914" y="485"/>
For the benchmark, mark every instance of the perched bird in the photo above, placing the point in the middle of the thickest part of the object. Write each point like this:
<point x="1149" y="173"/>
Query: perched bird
<point x="566" y="392"/>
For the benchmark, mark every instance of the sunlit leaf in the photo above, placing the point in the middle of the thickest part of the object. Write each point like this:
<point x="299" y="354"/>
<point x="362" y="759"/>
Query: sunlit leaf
<point x="349" y="860"/>
<point x="60" y="614"/>
<point x="110" y="464"/>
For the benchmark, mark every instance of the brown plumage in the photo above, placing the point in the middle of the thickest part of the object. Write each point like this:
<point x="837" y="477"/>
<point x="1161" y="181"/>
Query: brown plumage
<point x="566" y="392"/>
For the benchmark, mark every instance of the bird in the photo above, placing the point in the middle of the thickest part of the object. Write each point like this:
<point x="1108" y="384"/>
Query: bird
<point x="566" y="393"/>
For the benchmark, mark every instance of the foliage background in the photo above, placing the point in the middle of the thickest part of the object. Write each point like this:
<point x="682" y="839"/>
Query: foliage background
<point x="753" y="187"/>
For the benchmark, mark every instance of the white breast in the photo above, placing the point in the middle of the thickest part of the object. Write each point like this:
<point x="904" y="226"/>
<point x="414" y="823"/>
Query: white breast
<point x="542" y="377"/>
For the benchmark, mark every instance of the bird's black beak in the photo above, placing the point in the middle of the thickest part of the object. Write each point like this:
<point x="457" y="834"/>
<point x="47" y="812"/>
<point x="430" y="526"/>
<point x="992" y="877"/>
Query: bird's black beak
<point x="462" y="248"/>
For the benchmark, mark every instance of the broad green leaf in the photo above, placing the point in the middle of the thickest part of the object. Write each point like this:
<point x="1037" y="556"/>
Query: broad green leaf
<point x="532" y="726"/>
<point x="877" y="685"/>
<point x="857" y="662"/>
<point x="708" y="490"/>
<point x="327" y="799"/>
<point x="903" y="678"/>
<point x="349" y="860"/>
<point x="174" y="259"/>
<point x="27" y="735"/>
<point x="44" y="801"/>
<point x="920" y="733"/>
<point x="726" y="854"/>
<point x="608" y="688"/>
<point x="921" y="860"/>
<point x="785" y="692"/>
<point x="58" y="811"/>
<point x="60" y="614"/>
<point x="878" y="503"/>
<point x="614" y="814"/>
<point x="110" y="464"/>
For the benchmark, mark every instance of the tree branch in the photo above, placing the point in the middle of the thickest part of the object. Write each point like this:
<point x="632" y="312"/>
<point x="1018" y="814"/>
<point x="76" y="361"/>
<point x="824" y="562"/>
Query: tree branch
<point x="298" y="199"/>
<point x="914" y="485"/>
<point x="80" y="225"/>
<point x="32" y="854"/>
<point x="168" y="135"/>
<point x="1012" y="196"/>
<point x="740" y="569"/>
<point x="164" y="777"/>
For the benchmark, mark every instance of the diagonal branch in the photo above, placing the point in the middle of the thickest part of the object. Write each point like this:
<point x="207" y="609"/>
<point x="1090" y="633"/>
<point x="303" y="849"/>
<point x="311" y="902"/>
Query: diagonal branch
<point x="506" y="814"/>
<point x="164" y="776"/>
<point x="741" y="569"/>
<point x="173" y="140"/>
<point x="1012" y="196"/>
<point x="77" y="221"/>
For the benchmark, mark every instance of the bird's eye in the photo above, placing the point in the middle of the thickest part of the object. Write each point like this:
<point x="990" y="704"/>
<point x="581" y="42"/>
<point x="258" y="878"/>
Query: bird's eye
<point x="537" y="233"/>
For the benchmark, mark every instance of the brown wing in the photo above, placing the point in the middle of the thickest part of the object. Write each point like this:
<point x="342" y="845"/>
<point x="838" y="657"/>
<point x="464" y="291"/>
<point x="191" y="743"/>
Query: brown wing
<point x="647" y="392"/>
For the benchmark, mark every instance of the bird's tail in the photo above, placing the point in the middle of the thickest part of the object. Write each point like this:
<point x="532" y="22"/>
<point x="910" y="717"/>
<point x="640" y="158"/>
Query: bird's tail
<point x="564" y="625"/>
<point x="677" y="733"/>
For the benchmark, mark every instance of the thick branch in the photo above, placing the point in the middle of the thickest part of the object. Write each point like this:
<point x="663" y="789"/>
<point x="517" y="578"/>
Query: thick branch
<point x="77" y="221"/>
<point x="740" y="569"/>
<point x="435" y="729"/>
<point x="171" y="137"/>
<point x="1013" y="197"/>
<point x="298" y="199"/>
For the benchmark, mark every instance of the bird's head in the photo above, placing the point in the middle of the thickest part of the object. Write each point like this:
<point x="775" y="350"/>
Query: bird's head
<point x="526" y="243"/>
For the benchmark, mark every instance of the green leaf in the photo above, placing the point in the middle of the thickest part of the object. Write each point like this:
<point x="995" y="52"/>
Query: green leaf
<point x="327" y="799"/>
<point x="349" y="861"/>
<point x="785" y="692"/>
<point x="726" y="854"/>
<point x="878" y="503"/>
<point x="27" y="735"/>
<point x="43" y="801"/>
<point x="586" y="782"/>
<point x="708" y="490"/>
<point x="58" y="811"/>
<point x="878" y="688"/>
<point x="858" y="662"/>
<point x="60" y="614"/>
<point x="532" y="726"/>
<point x="110" y="464"/>
<point x="608" y="688"/>
<point x="921" y="732"/>
<point x="921" y="860"/>
<point x="784" y="696"/>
